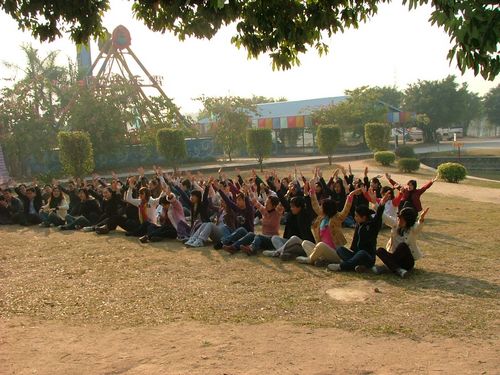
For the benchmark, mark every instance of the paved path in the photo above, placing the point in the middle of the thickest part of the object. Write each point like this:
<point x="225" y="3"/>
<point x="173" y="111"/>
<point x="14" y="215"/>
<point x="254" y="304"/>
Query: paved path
<point x="300" y="160"/>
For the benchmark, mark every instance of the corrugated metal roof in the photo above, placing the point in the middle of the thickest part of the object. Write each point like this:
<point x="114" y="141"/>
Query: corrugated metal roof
<point x="295" y="108"/>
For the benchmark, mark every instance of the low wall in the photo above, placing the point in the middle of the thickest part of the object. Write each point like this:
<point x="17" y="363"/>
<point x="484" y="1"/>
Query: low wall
<point x="481" y="163"/>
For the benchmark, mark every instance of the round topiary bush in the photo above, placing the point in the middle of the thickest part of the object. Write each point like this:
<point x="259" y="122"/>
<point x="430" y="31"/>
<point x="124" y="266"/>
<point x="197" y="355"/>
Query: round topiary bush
<point x="408" y="164"/>
<point x="385" y="157"/>
<point x="405" y="152"/>
<point x="452" y="172"/>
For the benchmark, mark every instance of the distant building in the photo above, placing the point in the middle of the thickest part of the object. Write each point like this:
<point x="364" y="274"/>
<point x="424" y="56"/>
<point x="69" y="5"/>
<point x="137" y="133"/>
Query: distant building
<point x="283" y="115"/>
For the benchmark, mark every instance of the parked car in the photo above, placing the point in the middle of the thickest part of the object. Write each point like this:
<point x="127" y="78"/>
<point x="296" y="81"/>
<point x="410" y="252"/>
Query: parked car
<point x="447" y="133"/>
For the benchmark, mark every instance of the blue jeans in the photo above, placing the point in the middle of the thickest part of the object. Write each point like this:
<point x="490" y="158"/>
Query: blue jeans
<point x="247" y="239"/>
<point x="262" y="242"/>
<point x="235" y="236"/>
<point x="352" y="259"/>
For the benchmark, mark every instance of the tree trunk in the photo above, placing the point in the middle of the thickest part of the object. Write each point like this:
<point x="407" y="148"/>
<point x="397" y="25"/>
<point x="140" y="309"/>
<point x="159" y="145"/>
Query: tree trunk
<point x="260" y="163"/>
<point x="330" y="159"/>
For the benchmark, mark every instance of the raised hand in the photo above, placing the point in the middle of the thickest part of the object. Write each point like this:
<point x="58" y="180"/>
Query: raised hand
<point x="350" y="169"/>
<point x="366" y="171"/>
<point x="422" y="215"/>
<point x="140" y="170"/>
<point x="385" y="198"/>
<point x="388" y="176"/>
<point x="435" y="178"/>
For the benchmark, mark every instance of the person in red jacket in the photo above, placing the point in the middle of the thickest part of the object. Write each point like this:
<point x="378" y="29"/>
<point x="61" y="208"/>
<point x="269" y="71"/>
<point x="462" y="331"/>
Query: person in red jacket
<point x="410" y="193"/>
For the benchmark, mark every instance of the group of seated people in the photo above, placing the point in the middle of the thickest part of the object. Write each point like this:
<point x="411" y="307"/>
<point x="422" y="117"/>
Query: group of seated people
<point x="224" y="212"/>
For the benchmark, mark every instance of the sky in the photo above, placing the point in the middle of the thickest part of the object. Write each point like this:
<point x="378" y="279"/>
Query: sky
<point x="396" y="47"/>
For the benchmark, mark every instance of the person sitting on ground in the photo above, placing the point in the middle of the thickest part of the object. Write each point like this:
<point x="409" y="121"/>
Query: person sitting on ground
<point x="223" y="226"/>
<point x="171" y="214"/>
<point x="11" y="208"/>
<point x="86" y="213"/>
<point x="111" y="205"/>
<point x="251" y="243"/>
<point x="56" y="209"/>
<point x="146" y="208"/>
<point x="297" y="229"/>
<point x="402" y="249"/>
<point x="327" y="230"/>
<point x="32" y="203"/>
<point x="361" y="255"/>
<point x="410" y="194"/>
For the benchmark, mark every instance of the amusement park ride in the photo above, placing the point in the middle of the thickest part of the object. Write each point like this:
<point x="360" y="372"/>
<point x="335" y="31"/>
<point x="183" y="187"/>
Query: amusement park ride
<point x="113" y="60"/>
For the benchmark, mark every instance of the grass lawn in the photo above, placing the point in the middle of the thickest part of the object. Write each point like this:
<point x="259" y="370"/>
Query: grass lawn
<point x="79" y="278"/>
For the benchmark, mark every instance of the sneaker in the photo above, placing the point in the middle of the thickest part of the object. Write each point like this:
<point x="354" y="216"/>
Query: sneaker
<point x="360" y="268"/>
<point x="218" y="245"/>
<point x="321" y="263"/>
<point x="230" y="249"/>
<point x="197" y="243"/>
<point x="270" y="253"/>
<point x="144" y="239"/>
<point x="62" y="227"/>
<point x="104" y="230"/>
<point x="402" y="273"/>
<point x="88" y="229"/>
<point x="303" y="260"/>
<point x="155" y="239"/>
<point x="189" y="243"/>
<point x="378" y="270"/>
<point x="246" y="249"/>
<point x="44" y="225"/>
<point x="334" y="267"/>
<point x="78" y="227"/>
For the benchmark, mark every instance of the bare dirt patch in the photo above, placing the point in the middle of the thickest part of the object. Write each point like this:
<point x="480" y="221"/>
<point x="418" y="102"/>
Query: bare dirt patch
<point x="73" y="303"/>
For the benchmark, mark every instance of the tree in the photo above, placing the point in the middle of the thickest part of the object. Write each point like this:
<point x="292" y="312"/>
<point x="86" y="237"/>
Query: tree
<point x="361" y="106"/>
<point x="491" y="102"/>
<point x="30" y="110"/>
<point x="231" y="118"/>
<point x="377" y="136"/>
<point x="259" y="144"/>
<point x="283" y="28"/>
<point x="171" y="145"/>
<point x="444" y="102"/>
<point x="100" y="115"/>
<point x="75" y="153"/>
<point x="328" y="138"/>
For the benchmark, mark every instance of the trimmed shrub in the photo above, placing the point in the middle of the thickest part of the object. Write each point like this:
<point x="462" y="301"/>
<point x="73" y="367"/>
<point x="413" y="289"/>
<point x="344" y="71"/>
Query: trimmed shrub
<point x="405" y="152"/>
<point x="385" y="157"/>
<point x="452" y="172"/>
<point x="328" y="137"/>
<point x="171" y="145"/>
<point x="377" y="136"/>
<point x="76" y="153"/>
<point x="408" y="164"/>
<point x="259" y="144"/>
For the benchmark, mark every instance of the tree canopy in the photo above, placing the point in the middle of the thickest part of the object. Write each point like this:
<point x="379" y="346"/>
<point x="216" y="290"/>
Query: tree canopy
<point x="282" y="28"/>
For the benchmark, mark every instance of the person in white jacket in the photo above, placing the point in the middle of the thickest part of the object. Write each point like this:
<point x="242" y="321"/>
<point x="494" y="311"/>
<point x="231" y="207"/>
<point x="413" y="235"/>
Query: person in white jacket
<point x="402" y="249"/>
<point x="146" y="206"/>
<point x="54" y="212"/>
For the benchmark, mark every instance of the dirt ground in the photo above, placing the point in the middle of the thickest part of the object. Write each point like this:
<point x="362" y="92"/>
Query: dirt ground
<point x="193" y="348"/>
<point x="82" y="304"/>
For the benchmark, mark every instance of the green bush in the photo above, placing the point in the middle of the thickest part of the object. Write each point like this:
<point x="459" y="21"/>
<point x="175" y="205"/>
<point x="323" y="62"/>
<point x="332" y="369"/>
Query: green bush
<point x="377" y="136"/>
<point x="385" y="157"/>
<point x="328" y="137"/>
<point x="76" y="153"/>
<point x="452" y="172"/>
<point x="171" y="145"/>
<point x="404" y="151"/>
<point x="259" y="144"/>
<point x="408" y="164"/>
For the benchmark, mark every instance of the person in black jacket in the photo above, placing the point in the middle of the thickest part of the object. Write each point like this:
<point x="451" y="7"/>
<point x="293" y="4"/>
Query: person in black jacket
<point x="361" y="256"/>
<point x="111" y="206"/>
<point x="32" y="203"/>
<point x="72" y="193"/>
<point x="85" y="214"/>
<point x="10" y="208"/>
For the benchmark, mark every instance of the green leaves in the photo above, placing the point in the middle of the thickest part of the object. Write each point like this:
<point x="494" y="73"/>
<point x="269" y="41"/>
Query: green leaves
<point x="284" y="29"/>
<point x="259" y="144"/>
<point x="76" y="153"/>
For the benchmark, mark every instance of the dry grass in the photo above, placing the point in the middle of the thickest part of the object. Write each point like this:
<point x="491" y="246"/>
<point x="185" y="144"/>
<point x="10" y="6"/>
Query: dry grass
<point x="81" y="278"/>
